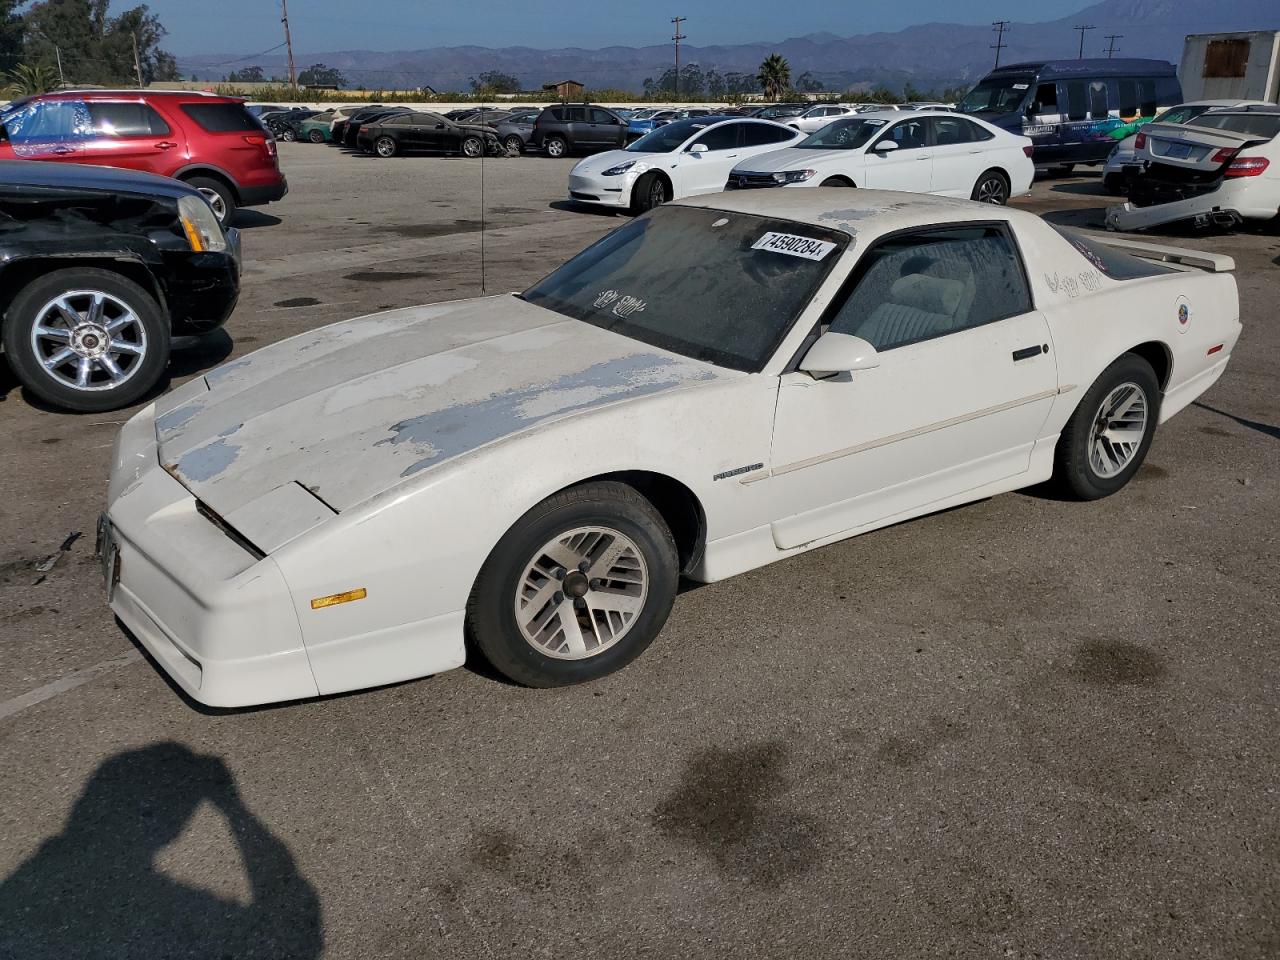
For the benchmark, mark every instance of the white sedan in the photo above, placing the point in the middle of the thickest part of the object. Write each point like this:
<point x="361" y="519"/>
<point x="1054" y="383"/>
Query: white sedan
<point x="815" y="118"/>
<point x="684" y="158"/>
<point x="723" y="383"/>
<point x="919" y="151"/>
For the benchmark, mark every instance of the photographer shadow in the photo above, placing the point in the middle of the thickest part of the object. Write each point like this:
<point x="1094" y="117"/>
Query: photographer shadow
<point x="94" y="889"/>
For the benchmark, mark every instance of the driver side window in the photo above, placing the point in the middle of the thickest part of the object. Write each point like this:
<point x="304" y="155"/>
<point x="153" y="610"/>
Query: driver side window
<point x="909" y="134"/>
<point x="721" y="138"/>
<point x="921" y="286"/>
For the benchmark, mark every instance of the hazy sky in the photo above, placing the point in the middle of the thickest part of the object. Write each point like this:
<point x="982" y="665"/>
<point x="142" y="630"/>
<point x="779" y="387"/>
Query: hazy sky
<point x="251" y="26"/>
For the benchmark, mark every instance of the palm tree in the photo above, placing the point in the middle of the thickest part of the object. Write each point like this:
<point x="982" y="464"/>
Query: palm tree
<point x="774" y="76"/>
<point x="27" y="79"/>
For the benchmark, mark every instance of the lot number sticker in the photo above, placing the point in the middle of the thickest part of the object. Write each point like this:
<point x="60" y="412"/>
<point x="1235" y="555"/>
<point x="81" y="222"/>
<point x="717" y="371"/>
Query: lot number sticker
<point x="794" y="246"/>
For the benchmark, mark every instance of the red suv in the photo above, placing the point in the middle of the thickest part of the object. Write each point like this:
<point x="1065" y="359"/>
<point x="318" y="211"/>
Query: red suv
<point x="212" y="143"/>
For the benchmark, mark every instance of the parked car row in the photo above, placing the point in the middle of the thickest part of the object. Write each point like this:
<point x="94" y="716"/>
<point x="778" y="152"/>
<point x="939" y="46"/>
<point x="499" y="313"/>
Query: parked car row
<point x="918" y="151"/>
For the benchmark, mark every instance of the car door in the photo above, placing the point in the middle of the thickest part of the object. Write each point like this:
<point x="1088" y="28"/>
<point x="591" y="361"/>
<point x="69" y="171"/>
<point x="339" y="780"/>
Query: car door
<point x="707" y="171"/>
<point x="606" y="129"/>
<point x="49" y="130"/>
<point x="960" y="155"/>
<point x="132" y="135"/>
<point x="910" y="166"/>
<point x="960" y="395"/>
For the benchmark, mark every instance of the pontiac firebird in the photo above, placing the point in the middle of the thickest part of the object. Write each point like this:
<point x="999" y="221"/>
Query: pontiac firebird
<point x="725" y="382"/>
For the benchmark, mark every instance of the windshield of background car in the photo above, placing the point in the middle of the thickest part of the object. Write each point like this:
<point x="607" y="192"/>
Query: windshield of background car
<point x="1179" y="114"/>
<point x="1262" y="125"/>
<point x="666" y="138"/>
<point x="846" y="134"/>
<point x="708" y="284"/>
<point x="996" y="96"/>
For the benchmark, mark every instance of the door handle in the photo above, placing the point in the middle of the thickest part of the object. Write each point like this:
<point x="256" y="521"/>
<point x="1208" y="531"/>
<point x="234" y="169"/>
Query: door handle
<point x="62" y="150"/>
<point x="165" y="145"/>
<point x="1026" y="353"/>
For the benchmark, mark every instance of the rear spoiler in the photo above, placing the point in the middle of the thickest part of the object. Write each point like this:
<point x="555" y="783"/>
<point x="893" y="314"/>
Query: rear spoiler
<point x="1213" y="262"/>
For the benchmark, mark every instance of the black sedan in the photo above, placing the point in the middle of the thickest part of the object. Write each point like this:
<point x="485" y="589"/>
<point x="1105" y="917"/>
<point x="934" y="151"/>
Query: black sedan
<point x="100" y="268"/>
<point x="426" y="133"/>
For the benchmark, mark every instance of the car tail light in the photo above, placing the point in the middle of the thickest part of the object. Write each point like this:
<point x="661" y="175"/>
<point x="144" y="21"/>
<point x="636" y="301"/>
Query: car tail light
<point x="1140" y="141"/>
<point x="1029" y="149"/>
<point x="1247" y="167"/>
<point x="1223" y="155"/>
<point x="268" y="142"/>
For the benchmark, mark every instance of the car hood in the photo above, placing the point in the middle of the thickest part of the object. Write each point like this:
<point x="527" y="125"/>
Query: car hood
<point x="599" y="162"/>
<point x="76" y="178"/>
<point x="792" y="158"/>
<point x="354" y="408"/>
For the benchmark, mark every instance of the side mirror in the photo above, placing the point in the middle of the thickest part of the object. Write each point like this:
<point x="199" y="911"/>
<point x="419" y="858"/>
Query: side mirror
<point x="1034" y="109"/>
<point x="885" y="146"/>
<point x="839" y="353"/>
<point x="698" y="148"/>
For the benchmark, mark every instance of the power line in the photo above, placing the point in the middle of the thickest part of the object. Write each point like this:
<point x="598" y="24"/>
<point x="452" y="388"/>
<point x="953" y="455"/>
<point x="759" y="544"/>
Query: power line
<point x="1000" y="26"/>
<point x="1082" y="27"/>
<point x="1111" y="46"/>
<point x="677" y="36"/>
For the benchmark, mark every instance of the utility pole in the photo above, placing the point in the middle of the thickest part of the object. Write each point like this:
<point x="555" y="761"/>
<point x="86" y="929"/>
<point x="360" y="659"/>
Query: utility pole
<point x="1000" y="26"/>
<point x="137" y="64"/>
<point x="288" y="41"/>
<point x="57" y="52"/>
<point x="1082" y="27"/>
<point x="677" y="36"/>
<point x="1111" y="46"/>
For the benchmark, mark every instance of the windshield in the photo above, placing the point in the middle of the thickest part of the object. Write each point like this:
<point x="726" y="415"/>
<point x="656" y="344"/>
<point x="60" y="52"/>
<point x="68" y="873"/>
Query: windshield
<point x="716" y="286"/>
<point x="848" y="133"/>
<point x="643" y="114"/>
<point x="1251" y="124"/>
<point x="996" y="96"/>
<point x="666" y="138"/>
<point x="1181" y="114"/>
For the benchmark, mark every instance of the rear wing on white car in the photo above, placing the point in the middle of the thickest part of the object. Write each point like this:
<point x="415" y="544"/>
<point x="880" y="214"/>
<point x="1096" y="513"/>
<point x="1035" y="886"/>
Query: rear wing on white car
<point x="1213" y="262"/>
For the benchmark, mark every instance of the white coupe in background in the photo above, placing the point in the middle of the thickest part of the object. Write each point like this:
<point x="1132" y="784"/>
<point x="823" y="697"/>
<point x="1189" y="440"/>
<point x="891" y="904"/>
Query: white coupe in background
<point x="722" y="383"/>
<point x="919" y="151"/>
<point x="684" y="158"/>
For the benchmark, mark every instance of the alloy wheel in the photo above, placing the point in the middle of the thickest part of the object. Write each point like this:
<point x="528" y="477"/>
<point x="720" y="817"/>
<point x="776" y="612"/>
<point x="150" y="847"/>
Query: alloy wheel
<point x="215" y="200"/>
<point x="1119" y="427"/>
<point x="581" y="593"/>
<point x="89" y="340"/>
<point x="992" y="190"/>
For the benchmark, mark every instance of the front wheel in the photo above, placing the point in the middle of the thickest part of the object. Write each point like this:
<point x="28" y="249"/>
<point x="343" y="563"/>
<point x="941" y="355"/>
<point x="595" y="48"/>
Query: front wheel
<point x="650" y="191"/>
<point x="835" y="182"/>
<point x="577" y="588"/>
<point x="86" y="339"/>
<point x="472" y="147"/>
<point x="991" y="187"/>
<point x="288" y="135"/>
<point x="384" y="147"/>
<point x="1107" y="438"/>
<point x="316" y="136"/>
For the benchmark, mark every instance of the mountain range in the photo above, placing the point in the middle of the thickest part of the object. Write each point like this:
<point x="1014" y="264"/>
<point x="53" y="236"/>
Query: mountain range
<point x="930" y="56"/>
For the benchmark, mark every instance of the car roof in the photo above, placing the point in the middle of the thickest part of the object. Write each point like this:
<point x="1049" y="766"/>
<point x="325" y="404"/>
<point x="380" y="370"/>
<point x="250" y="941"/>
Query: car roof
<point x="875" y="211"/>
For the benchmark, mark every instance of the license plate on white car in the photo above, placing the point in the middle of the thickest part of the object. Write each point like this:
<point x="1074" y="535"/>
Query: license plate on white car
<point x="1178" y="151"/>
<point x="108" y="556"/>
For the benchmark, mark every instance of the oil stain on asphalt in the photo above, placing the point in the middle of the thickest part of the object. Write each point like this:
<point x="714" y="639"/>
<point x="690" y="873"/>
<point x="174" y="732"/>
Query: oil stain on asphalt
<point x="1114" y="663"/>
<point x="729" y="806"/>
<point x="297" y="302"/>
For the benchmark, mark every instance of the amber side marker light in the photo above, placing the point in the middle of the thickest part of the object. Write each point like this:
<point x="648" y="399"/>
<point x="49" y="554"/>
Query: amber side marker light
<point x="336" y="598"/>
<point x="193" y="235"/>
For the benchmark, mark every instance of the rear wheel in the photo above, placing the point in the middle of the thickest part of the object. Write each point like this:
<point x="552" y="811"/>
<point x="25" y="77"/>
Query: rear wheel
<point x="86" y="339"/>
<point x="472" y="147"/>
<point x="556" y="147"/>
<point x="577" y="588"/>
<point x="1107" y="438"/>
<point x="513" y="145"/>
<point x="384" y="147"/>
<point x="992" y="187"/>
<point x="219" y="196"/>
<point x="650" y="191"/>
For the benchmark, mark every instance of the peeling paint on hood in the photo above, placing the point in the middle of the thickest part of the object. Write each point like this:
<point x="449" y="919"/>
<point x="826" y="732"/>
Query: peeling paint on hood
<point x="353" y="408"/>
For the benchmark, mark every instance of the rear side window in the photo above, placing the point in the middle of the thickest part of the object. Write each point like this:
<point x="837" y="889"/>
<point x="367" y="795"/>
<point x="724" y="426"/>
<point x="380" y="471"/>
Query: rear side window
<point x="763" y="134"/>
<point x="948" y="131"/>
<point x="126" y="120"/>
<point x="222" y="117"/>
<point x="1112" y="262"/>
<point x="1077" y="100"/>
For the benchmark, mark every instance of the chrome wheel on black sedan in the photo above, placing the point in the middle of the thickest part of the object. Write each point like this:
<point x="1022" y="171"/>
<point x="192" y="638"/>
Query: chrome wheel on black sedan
<point x="86" y="339"/>
<point x="577" y="589"/>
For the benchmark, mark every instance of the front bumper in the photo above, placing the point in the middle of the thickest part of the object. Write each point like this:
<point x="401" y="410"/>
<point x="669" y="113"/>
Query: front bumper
<point x="601" y="191"/>
<point x="219" y="619"/>
<point x="201" y="289"/>
<point x="1246" y="198"/>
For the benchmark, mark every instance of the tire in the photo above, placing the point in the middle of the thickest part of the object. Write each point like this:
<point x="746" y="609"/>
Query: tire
<point x="555" y="147"/>
<point x="649" y="191"/>
<point x="472" y="147"/>
<point x="835" y="182"/>
<point x="316" y="136"/>
<point x="520" y="575"/>
<point x="219" y="196"/>
<point x="139" y="367"/>
<point x="288" y="135"/>
<point x="992" y="187"/>
<point x="1082" y="447"/>
<point x="513" y="145"/>
<point x="385" y="147"/>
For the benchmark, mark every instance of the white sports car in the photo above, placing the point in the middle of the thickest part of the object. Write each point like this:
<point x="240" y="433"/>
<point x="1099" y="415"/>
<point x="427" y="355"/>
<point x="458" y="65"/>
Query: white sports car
<point x="684" y="158"/>
<point x="725" y="382"/>
<point x="921" y="151"/>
